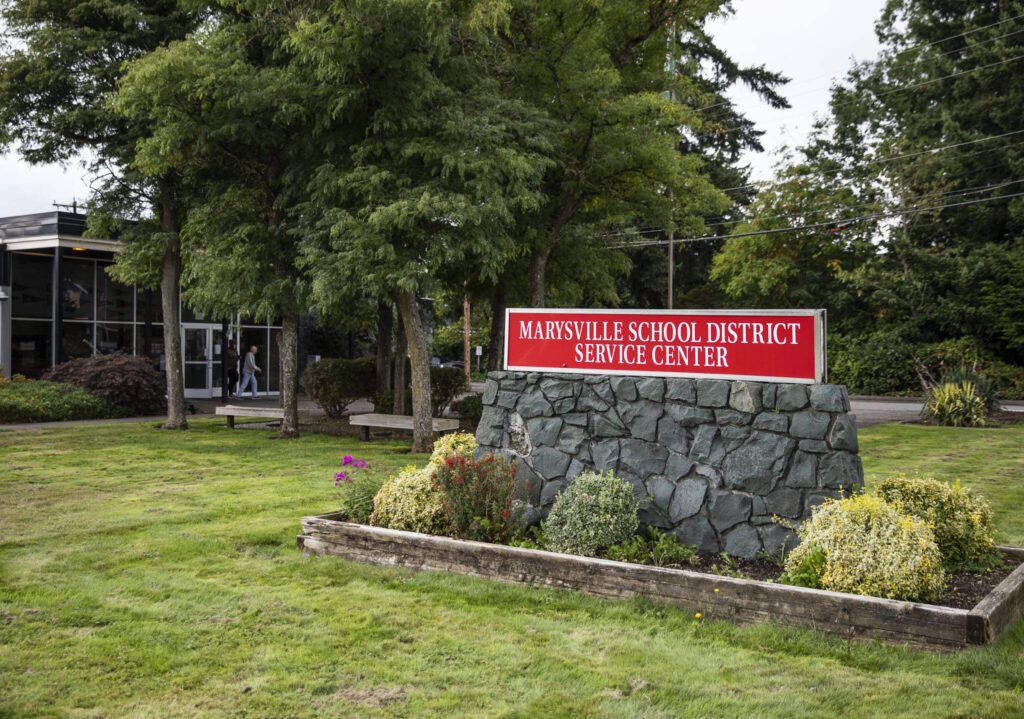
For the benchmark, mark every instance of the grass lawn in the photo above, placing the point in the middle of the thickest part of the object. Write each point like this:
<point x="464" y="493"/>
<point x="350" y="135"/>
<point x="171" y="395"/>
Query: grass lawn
<point x="154" y="574"/>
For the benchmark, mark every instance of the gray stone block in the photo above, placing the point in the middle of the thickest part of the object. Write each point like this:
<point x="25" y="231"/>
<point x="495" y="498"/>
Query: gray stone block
<point x="733" y="417"/>
<point x="688" y="499"/>
<point x="672" y="435"/>
<point x="491" y="430"/>
<point x="768" y="395"/>
<point x="677" y="466"/>
<point x="518" y="438"/>
<point x="544" y="430"/>
<point x="571" y="439"/>
<point x="712" y="393"/>
<point x="490" y="392"/>
<point x="642" y="458"/>
<point x="566" y="404"/>
<point x="515" y="384"/>
<point x="803" y="471"/>
<point x="689" y="416"/>
<point x="758" y="506"/>
<point x="576" y="468"/>
<point x="829" y="398"/>
<point x="743" y="542"/>
<point x="814" y="446"/>
<point x="550" y="491"/>
<point x="840" y="470"/>
<point x="660" y="490"/>
<point x="549" y="463"/>
<point x="707" y="446"/>
<point x="758" y="463"/>
<point x="607" y="425"/>
<point x="533" y="377"/>
<point x="790" y="397"/>
<point x="712" y="475"/>
<point x="785" y="502"/>
<point x="641" y="418"/>
<point x="745" y="397"/>
<point x="734" y="437"/>
<point x="577" y="419"/>
<point x="815" y="499"/>
<point x="682" y="390"/>
<point x="557" y="388"/>
<point x="591" y="401"/>
<point x="844" y="434"/>
<point x="810" y="425"/>
<point x="772" y="422"/>
<point x="777" y="539"/>
<point x="507" y="400"/>
<point x="533" y="404"/>
<point x="651" y="388"/>
<point x="651" y="516"/>
<point x="605" y="455"/>
<point x="624" y="389"/>
<point x="498" y="375"/>
<point x="727" y="509"/>
<point x="528" y="484"/>
<point x="698" y="532"/>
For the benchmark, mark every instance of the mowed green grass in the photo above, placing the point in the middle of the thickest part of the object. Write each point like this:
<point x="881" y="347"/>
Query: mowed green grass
<point x="146" y="573"/>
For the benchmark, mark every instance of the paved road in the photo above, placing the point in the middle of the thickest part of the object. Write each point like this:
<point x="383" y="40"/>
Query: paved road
<point x="879" y="410"/>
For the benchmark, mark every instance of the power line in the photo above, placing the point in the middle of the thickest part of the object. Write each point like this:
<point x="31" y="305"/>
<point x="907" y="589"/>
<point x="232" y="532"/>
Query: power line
<point x="817" y="225"/>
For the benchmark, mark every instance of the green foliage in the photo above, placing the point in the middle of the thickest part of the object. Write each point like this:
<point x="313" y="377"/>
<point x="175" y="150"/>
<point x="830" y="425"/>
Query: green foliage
<point x="960" y="520"/>
<point x="966" y="358"/>
<point x="881" y="362"/>
<point x="955" y="405"/>
<point x="127" y="381"/>
<point x="478" y="497"/>
<point x="32" y="401"/>
<point x="470" y="409"/>
<point x="869" y="548"/>
<point x="357" y="496"/>
<point x="660" y="549"/>
<point x="408" y="500"/>
<point x="807" y="570"/>
<point x="595" y="512"/>
<point x="446" y="383"/>
<point x="334" y="384"/>
<point x="450" y="446"/>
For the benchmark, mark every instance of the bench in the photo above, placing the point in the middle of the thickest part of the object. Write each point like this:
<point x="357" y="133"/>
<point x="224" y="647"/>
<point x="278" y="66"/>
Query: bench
<point x="233" y="410"/>
<point x="396" y="421"/>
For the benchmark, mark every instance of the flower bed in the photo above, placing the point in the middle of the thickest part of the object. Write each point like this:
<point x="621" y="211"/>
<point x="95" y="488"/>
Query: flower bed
<point x="710" y="595"/>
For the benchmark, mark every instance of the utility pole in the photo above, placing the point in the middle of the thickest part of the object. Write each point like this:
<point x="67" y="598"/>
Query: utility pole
<point x="466" y="329"/>
<point x="671" y="263"/>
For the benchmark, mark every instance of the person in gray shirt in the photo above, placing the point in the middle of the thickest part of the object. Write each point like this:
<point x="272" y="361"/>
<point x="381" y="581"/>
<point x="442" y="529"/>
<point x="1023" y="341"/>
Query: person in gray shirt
<point x="249" y="371"/>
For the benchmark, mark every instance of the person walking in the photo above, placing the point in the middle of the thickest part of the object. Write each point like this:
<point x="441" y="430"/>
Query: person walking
<point x="249" y="371"/>
<point x="232" y="359"/>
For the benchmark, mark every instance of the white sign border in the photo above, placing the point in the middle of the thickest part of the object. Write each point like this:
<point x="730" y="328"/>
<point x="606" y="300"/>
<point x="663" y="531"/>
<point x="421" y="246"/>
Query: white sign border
<point x="820" y="356"/>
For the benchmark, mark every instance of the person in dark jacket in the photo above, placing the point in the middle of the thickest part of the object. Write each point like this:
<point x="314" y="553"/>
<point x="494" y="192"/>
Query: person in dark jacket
<point x="231" y="357"/>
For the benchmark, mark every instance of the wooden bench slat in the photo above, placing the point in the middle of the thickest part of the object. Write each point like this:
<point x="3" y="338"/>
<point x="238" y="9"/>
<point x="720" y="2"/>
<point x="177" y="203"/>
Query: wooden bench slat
<point x="397" y="421"/>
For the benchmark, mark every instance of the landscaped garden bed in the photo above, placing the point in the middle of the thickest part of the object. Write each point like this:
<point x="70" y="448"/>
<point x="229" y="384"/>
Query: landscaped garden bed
<point x="709" y="595"/>
<point x="911" y="562"/>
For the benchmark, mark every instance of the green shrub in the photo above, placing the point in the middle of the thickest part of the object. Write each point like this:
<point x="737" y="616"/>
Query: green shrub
<point x="408" y="500"/>
<point x="470" y="409"/>
<point x="477" y="497"/>
<point x="595" y="512"/>
<point x="334" y="384"/>
<point x="454" y="444"/>
<point x="32" y="401"/>
<point x="807" y="570"/>
<point x="955" y="405"/>
<point x="868" y="548"/>
<point x="661" y="550"/>
<point x="944" y="359"/>
<point x="961" y="521"/>
<point x="358" y="489"/>
<point x="446" y="383"/>
<point x="877" y="363"/>
<point x="123" y="380"/>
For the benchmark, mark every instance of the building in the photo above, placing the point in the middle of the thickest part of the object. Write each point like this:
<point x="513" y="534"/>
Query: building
<point x="57" y="302"/>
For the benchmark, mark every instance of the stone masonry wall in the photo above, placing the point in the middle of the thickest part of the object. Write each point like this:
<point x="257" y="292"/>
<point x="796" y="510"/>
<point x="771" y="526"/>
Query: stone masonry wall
<point x="711" y="460"/>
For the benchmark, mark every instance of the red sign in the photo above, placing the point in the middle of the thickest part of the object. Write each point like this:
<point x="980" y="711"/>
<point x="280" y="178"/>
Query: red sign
<point x="766" y="345"/>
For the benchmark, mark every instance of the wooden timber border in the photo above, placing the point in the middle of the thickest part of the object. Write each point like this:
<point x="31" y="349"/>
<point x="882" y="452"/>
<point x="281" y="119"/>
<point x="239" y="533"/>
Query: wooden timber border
<point x="851" y="616"/>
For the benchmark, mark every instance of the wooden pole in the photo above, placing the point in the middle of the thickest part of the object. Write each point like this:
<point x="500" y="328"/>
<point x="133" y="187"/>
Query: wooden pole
<point x="466" y="330"/>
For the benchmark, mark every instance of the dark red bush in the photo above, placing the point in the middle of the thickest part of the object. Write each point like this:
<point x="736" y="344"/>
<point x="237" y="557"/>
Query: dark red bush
<point x="122" y="380"/>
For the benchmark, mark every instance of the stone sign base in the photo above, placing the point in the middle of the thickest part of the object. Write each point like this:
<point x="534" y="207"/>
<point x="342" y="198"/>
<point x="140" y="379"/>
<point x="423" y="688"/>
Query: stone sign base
<point x="727" y="465"/>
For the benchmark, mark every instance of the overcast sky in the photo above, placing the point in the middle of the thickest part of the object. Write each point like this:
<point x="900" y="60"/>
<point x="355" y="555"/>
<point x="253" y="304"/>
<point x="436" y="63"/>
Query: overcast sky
<point x="809" y="41"/>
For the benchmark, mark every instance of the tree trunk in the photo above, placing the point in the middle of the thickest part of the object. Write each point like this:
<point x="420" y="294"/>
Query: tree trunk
<point x="401" y="349"/>
<point x="466" y="331"/>
<point x="496" y="351"/>
<point x="288" y="351"/>
<point x="170" y="291"/>
<point x="538" y="272"/>
<point x="385" y="330"/>
<point x="422" y="425"/>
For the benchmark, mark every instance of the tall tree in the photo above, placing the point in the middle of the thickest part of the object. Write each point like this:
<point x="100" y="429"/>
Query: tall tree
<point x="429" y="159"/>
<point x="56" y="77"/>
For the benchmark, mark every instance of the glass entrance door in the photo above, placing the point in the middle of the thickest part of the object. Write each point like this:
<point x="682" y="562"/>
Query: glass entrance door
<point x="201" y="350"/>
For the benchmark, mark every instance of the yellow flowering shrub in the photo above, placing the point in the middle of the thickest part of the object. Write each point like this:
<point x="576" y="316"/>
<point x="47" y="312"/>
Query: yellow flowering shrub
<point x="409" y="501"/>
<point x="961" y="521"/>
<point x="456" y="444"/>
<point x="868" y="547"/>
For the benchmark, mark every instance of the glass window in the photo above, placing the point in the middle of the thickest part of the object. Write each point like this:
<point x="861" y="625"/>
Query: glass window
<point x="77" y="288"/>
<point x="113" y="300"/>
<point x="76" y="340"/>
<point x="30" y="347"/>
<point x="112" y="338"/>
<point x="274" y="351"/>
<point x="31" y="286"/>
<point x="156" y="343"/>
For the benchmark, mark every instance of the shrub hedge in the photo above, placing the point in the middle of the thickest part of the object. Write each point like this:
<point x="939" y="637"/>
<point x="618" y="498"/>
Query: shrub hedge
<point x="409" y="501"/>
<point x="31" y="401"/>
<point x="127" y="381"/>
<point x="334" y="384"/>
<point x="595" y="512"/>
